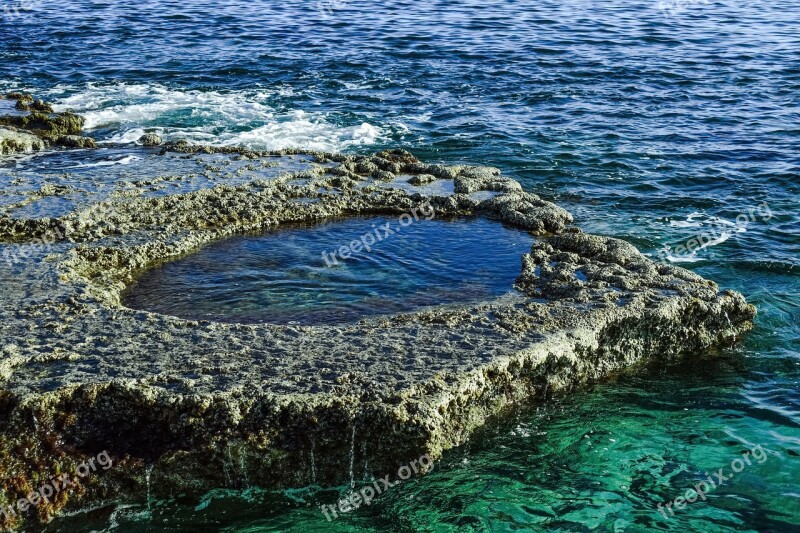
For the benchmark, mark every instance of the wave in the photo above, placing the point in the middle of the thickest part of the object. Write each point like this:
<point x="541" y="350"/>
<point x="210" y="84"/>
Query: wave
<point x="123" y="112"/>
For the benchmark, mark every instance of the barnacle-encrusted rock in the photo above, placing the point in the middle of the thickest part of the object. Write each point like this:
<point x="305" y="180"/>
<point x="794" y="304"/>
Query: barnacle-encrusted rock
<point x="80" y="373"/>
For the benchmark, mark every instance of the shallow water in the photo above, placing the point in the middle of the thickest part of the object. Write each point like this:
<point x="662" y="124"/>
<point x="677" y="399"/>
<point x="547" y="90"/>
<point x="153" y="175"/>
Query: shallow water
<point x="299" y="275"/>
<point x="650" y="126"/>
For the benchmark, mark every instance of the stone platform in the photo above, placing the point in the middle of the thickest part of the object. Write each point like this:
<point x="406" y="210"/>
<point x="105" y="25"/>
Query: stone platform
<point x="200" y="404"/>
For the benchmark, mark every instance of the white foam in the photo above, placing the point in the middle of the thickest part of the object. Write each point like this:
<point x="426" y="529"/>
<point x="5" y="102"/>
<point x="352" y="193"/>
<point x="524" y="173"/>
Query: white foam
<point x="693" y="256"/>
<point x="699" y="220"/>
<point x="305" y="131"/>
<point x="127" y="160"/>
<point x="212" y="117"/>
<point x="690" y="221"/>
<point x="708" y="238"/>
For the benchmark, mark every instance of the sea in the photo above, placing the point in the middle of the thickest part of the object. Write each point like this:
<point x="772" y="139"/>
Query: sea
<point x="656" y="122"/>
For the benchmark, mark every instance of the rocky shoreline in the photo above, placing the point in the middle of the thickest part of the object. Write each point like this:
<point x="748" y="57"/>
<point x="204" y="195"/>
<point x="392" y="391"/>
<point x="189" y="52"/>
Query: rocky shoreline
<point x="34" y="127"/>
<point x="198" y="405"/>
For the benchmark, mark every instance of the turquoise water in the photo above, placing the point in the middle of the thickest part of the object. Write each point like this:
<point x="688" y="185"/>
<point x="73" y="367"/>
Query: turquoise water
<point x="299" y="275"/>
<point x="651" y="125"/>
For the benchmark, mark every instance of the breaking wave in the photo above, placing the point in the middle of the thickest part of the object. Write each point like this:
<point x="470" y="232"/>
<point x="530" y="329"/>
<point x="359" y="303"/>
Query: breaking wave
<point x="121" y="113"/>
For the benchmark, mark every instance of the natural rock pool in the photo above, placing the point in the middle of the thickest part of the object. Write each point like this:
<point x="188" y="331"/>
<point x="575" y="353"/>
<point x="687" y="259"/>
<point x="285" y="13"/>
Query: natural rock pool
<point x="305" y="395"/>
<point x="297" y="274"/>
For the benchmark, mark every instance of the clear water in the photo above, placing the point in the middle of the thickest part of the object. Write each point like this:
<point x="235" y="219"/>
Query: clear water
<point x="648" y="126"/>
<point x="291" y="275"/>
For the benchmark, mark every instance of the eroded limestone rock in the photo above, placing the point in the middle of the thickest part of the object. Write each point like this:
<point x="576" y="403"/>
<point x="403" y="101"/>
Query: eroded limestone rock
<point x="40" y="122"/>
<point x="150" y="139"/>
<point x="82" y="374"/>
<point x="14" y="141"/>
<point x="422" y="179"/>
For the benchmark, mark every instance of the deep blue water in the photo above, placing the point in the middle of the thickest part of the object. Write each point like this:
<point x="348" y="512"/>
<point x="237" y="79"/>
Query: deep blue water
<point x="299" y="275"/>
<point x="653" y="125"/>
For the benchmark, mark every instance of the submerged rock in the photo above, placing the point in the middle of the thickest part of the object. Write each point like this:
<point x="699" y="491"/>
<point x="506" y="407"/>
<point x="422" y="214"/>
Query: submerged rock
<point x="190" y="402"/>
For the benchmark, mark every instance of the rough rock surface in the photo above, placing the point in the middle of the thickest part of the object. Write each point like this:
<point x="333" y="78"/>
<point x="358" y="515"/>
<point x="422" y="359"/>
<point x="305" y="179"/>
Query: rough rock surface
<point x="14" y="141"/>
<point x="36" y="119"/>
<point x="422" y="179"/>
<point x="204" y="404"/>
<point x="150" y="139"/>
<point x="29" y="104"/>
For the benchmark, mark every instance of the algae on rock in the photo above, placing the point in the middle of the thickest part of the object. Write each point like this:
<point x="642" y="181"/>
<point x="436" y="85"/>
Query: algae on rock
<point x="39" y="121"/>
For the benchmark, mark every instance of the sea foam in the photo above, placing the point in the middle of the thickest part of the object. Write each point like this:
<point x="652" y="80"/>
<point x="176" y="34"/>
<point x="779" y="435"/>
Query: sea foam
<point x="121" y="113"/>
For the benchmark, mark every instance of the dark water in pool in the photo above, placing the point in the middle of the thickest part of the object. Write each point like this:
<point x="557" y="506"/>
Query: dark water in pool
<point x="653" y="125"/>
<point x="291" y="275"/>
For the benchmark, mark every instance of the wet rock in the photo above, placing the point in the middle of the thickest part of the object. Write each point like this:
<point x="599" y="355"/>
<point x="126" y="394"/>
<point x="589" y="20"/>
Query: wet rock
<point x="71" y="141"/>
<point x="422" y="179"/>
<point x="14" y="141"/>
<point x="51" y="129"/>
<point x="383" y="175"/>
<point x="366" y="168"/>
<point x="398" y="155"/>
<point x="387" y="165"/>
<point x="20" y="97"/>
<point x="36" y="105"/>
<point x="473" y="179"/>
<point x="46" y="124"/>
<point x="150" y="139"/>
<point x="528" y="211"/>
<point x="185" y="147"/>
<point x="583" y="267"/>
<point x="343" y="170"/>
<point x="441" y="171"/>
